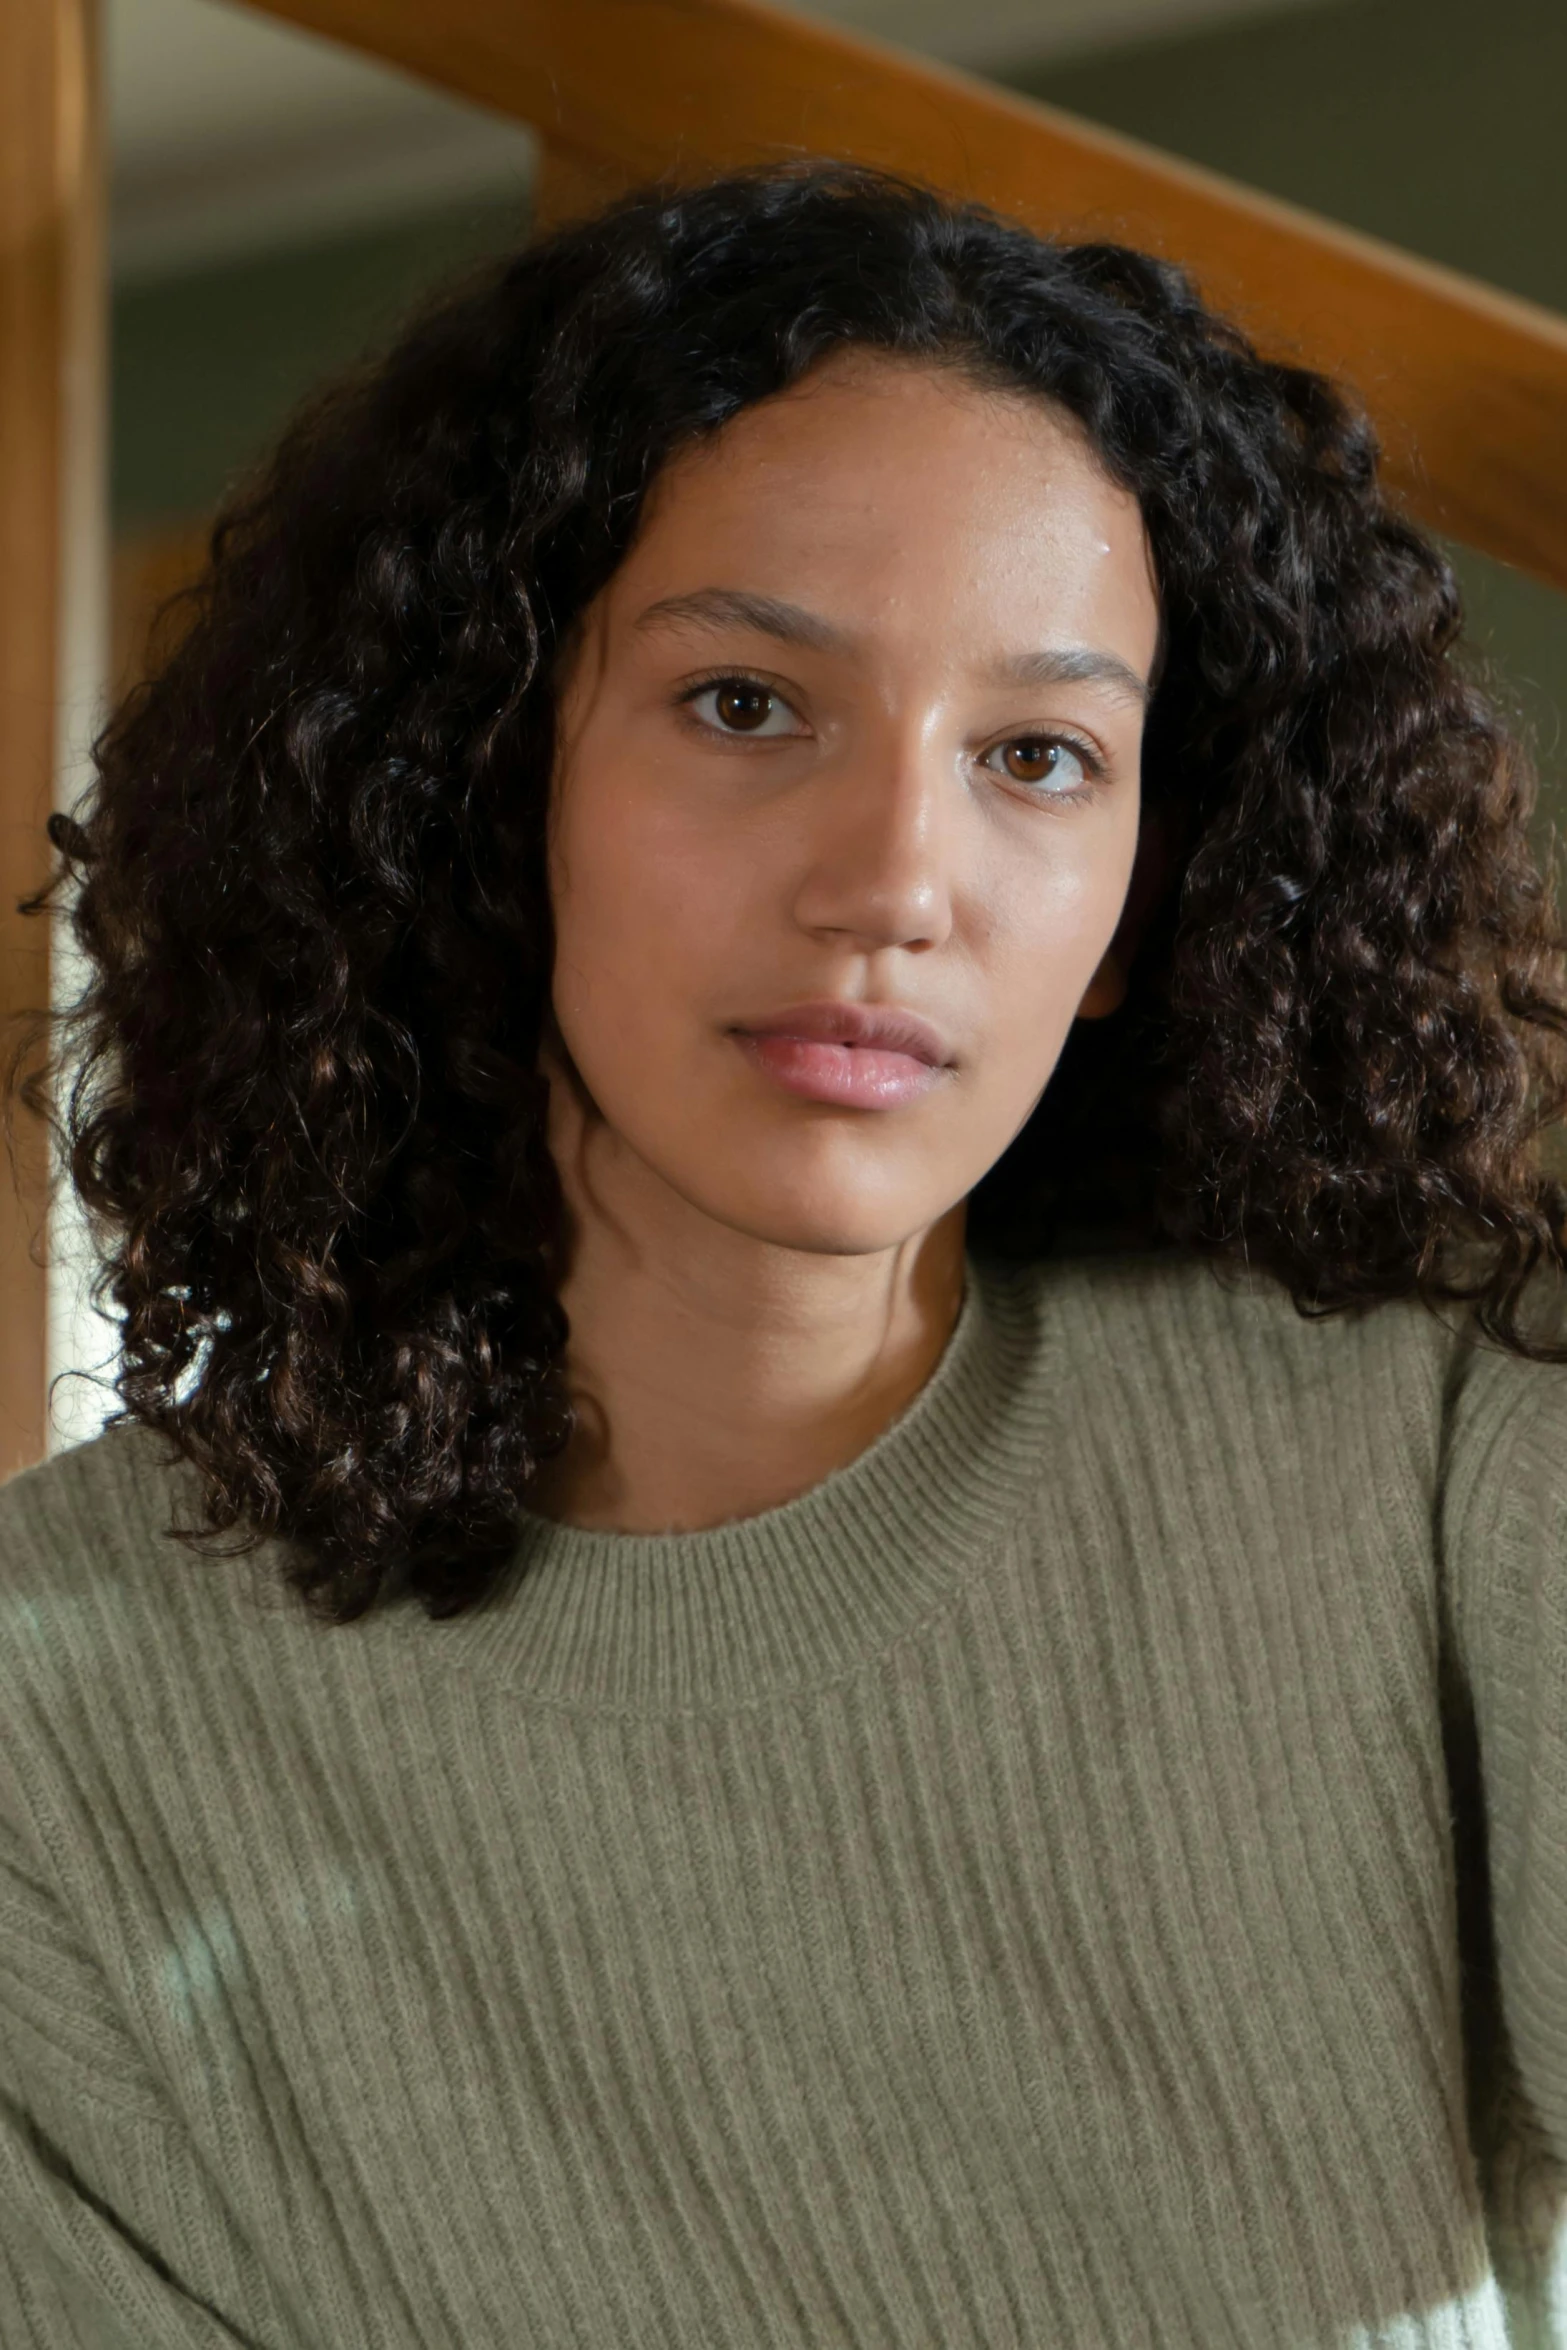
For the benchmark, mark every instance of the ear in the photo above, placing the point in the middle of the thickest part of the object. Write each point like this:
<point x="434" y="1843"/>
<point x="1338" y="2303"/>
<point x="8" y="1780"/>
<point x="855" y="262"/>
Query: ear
<point x="1152" y="868"/>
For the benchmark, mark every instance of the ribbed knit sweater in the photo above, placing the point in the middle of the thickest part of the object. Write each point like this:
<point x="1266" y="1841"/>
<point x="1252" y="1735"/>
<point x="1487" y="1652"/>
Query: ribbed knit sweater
<point x="1091" y="1872"/>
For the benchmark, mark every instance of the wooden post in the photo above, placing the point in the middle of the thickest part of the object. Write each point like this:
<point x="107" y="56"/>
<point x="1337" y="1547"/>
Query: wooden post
<point x="48" y="163"/>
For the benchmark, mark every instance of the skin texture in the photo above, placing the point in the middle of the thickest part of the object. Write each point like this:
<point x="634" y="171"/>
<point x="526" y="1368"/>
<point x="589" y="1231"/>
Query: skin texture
<point x="760" y="1283"/>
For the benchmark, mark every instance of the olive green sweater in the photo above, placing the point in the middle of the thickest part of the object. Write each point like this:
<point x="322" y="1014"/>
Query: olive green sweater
<point x="1092" y="1872"/>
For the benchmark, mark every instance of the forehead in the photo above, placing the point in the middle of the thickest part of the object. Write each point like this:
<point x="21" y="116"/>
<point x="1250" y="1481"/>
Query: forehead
<point x="902" y="494"/>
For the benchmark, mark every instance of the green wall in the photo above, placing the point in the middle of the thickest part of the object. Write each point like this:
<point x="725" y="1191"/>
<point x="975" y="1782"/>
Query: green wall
<point x="1424" y="121"/>
<point x="207" y="364"/>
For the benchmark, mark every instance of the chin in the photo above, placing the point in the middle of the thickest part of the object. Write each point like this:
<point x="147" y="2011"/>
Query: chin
<point x="840" y="1219"/>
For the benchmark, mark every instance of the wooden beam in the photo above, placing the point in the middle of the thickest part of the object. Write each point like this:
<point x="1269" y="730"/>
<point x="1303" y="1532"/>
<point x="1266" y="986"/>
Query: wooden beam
<point x="566" y="187"/>
<point x="47" y="127"/>
<point x="1468" y="386"/>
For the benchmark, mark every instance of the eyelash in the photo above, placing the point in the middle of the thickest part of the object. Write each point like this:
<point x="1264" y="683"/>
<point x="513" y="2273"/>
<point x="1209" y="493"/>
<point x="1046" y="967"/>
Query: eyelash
<point x="1093" y="764"/>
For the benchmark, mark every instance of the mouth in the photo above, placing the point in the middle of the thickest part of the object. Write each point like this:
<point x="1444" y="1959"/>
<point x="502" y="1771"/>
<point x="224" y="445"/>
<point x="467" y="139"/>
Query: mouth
<point x="890" y="1029"/>
<point x="847" y="1076"/>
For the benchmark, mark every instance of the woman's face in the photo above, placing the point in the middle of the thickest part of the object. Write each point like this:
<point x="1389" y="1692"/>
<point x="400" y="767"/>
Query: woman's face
<point x="857" y="721"/>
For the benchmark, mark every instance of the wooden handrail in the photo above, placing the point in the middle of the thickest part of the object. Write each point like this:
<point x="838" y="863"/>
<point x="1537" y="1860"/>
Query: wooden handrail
<point x="1468" y="386"/>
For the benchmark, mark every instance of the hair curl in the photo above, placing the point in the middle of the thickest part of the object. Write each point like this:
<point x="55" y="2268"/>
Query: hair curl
<point x="309" y="878"/>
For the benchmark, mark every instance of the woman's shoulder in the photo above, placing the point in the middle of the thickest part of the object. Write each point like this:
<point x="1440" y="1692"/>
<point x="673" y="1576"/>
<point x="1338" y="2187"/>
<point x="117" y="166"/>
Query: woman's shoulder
<point x="122" y="1645"/>
<point x="1162" y="1332"/>
<point x="95" y="1584"/>
<point x="96" y="1513"/>
<point x="1162" y="1298"/>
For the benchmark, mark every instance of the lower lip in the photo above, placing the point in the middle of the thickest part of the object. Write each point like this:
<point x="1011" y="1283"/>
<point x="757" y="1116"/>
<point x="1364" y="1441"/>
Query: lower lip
<point x="858" y="1076"/>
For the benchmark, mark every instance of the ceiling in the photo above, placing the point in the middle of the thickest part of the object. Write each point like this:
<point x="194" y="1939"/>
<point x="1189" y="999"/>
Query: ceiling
<point x="230" y="132"/>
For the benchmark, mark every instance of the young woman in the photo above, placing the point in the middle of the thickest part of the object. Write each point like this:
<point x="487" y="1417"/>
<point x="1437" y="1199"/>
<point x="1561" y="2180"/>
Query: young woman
<point x="814" y="1079"/>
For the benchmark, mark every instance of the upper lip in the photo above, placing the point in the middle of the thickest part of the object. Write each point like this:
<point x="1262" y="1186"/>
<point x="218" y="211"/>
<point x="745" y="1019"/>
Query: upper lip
<point x="887" y="1025"/>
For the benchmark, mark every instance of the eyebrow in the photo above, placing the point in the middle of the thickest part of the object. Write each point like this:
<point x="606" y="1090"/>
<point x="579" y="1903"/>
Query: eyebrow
<point x="791" y="624"/>
<point x="1075" y="665"/>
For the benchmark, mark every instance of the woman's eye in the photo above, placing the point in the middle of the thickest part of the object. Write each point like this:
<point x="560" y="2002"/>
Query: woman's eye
<point x="1040" y="758"/>
<point x="738" y="705"/>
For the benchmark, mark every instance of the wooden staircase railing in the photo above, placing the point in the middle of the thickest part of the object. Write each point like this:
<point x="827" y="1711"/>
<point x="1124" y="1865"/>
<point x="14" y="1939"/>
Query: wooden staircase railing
<point x="1468" y="386"/>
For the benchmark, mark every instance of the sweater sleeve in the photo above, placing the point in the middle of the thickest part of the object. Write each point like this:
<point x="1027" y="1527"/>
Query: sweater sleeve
<point x="113" y="2235"/>
<point x="1504" y="1526"/>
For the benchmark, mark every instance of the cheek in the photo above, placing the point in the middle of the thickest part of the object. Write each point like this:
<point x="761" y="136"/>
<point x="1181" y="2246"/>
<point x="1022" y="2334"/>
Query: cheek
<point x="644" y="907"/>
<point x="1050" y="922"/>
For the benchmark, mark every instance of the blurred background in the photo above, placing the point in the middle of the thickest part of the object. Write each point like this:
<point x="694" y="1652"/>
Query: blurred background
<point x="277" y="203"/>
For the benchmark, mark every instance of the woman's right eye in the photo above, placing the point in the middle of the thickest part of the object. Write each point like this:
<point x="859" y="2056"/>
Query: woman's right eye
<point x="741" y="705"/>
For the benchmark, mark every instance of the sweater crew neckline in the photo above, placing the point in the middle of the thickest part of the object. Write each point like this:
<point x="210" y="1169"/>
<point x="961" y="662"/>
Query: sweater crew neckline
<point x="797" y="1595"/>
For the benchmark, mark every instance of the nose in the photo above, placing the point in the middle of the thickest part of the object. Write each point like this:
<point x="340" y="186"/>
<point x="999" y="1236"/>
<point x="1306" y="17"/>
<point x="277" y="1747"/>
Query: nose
<point x="880" y="828"/>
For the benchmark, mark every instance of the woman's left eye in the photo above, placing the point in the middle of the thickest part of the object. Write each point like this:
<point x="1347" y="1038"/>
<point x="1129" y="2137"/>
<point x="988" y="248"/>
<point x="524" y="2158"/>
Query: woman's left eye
<point x="1041" y="758"/>
<point x="740" y="705"/>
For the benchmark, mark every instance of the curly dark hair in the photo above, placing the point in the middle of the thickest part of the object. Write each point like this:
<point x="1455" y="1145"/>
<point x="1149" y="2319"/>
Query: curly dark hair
<point x="305" y="1111"/>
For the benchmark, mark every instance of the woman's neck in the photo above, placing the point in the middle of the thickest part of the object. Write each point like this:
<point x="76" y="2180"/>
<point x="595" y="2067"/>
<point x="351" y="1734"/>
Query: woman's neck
<point x="716" y="1375"/>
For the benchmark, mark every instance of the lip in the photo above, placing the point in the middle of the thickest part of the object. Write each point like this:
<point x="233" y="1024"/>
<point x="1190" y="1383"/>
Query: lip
<point x="851" y="1056"/>
<point x="886" y="1028"/>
